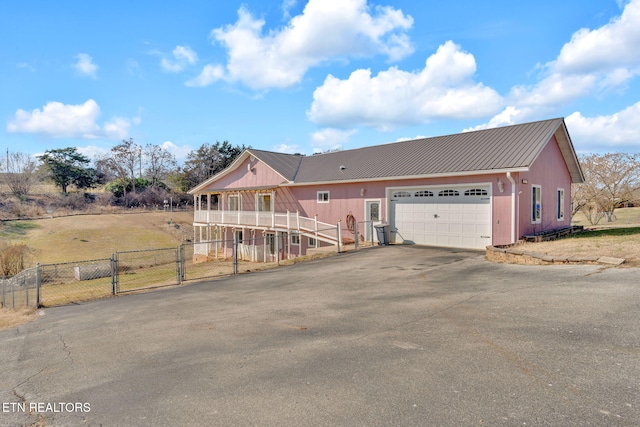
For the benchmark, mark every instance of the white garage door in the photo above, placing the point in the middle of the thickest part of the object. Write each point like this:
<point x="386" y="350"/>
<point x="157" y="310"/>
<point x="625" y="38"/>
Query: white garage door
<point x="457" y="217"/>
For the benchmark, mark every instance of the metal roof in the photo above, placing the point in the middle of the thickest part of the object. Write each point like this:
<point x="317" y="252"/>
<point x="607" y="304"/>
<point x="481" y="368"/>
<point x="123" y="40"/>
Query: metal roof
<point x="285" y="164"/>
<point x="499" y="149"/>
<point x="510" y="148"/>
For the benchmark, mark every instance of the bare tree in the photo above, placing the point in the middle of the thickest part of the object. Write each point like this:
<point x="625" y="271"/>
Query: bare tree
<point x="20" y="173"/>
<point x="123" y="161"/>
<point x="159" y="163"/>
<point x="610" y="180"/>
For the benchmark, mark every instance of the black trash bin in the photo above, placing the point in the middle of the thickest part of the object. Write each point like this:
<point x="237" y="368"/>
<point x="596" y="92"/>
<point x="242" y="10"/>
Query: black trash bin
<point x="382" y="231"/>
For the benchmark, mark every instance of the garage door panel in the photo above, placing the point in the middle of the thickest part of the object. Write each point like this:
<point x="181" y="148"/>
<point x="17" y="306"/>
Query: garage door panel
<point x="454" y="221"/>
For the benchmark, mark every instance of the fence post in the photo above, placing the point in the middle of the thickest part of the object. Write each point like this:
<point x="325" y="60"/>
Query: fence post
<point x="339" y="234"/>
<point x="113" y="274"/>
<point x="355" y="234"/>
<point x="371" y="222"/>
<point x="277" y="248"/>
<point x="235" y="253"/>
<point x="38" y="285"/>
<point x="183" y="265"/>
<point x="4" y="286"/>
<point x="178" y="266"/>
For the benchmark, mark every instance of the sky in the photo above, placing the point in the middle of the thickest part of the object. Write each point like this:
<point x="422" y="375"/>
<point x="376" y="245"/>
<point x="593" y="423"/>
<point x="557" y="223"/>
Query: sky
<point x="311" y="76"/>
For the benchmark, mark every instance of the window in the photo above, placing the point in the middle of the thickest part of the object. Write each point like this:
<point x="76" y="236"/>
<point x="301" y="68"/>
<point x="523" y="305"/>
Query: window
<point x="312" y="242"/>
<point x="270" y="240"/>
<point x="560" y="201"/>
<point x="448" y="193"/>
<point x="264" y="202"/>
<point x="401" y="194"/>
<point x="323" y="197"/>
<point x="295" y="239"/>
<point x="424" y="193"/>
<point x="234" y="203"/>
<point x="239" y="235"/>
<point x="536" y="204"/>
<point x="476" y="192"/>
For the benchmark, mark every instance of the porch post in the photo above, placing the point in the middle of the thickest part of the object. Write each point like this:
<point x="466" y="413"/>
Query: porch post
<point x="316" y="226"/>
<point x="239" y="206"/>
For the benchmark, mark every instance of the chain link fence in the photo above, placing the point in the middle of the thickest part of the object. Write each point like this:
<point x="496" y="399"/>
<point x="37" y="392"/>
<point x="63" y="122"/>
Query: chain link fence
<point x="63" y="283"/>
<point x="141" y="269"/>
<point x="19" y="290"/>
<point x="49" y="285"/>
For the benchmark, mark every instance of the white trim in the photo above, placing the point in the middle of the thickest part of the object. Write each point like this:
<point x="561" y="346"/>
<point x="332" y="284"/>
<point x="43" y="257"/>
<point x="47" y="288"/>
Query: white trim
<point x="533" y="211"/>
<point x="513" y="207"/>
<point x="560" y="204"/>
<point x="406" y="177"/>
<point x="389" y="191"/>
<point x="327" y="192"/>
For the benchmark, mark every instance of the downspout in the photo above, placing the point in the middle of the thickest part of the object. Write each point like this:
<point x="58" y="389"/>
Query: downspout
<point x="513" y="207"/>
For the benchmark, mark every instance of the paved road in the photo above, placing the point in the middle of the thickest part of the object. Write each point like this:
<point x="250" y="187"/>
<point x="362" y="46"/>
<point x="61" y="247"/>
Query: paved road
<point x="400" y="335"/>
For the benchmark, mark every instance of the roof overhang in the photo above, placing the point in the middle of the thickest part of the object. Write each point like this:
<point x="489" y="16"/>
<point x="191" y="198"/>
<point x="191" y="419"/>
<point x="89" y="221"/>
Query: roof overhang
<point x="232" y="167"/>
<point x="569" y="154"/>
<point x="238" y="189"/>
<point x="403" y="177"/>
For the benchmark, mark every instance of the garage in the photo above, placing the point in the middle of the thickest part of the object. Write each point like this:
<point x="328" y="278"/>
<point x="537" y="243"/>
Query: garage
<point x="450" y="216"/>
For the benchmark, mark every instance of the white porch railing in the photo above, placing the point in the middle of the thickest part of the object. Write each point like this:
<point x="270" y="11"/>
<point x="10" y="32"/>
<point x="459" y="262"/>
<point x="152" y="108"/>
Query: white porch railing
<point x="289" y="221"/>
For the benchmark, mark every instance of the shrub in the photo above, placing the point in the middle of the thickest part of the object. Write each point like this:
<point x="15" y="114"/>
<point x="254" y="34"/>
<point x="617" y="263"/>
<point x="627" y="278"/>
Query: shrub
<point x="14" y="258"/>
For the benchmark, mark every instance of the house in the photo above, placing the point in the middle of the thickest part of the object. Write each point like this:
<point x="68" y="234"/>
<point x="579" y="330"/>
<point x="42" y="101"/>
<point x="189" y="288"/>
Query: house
<point x="467" y="190"/>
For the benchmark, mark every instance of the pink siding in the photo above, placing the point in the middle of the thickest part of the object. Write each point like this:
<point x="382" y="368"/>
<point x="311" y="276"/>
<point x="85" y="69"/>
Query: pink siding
<point x="550" y="172"/>
<point x="259" y="175"/>
<point x="346" y="198"/>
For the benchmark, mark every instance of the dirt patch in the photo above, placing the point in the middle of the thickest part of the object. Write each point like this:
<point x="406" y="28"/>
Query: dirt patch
<point x="10" y="318"/>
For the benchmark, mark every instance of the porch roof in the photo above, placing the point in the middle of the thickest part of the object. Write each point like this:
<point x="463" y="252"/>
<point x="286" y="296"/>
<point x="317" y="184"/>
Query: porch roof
<point x="235" y="190"/>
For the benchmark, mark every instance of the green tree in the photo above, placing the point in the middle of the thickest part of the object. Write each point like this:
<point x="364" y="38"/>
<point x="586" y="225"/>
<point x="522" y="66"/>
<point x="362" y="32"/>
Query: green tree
<point x="66" y="166"/>
<point x="207" y="161"/>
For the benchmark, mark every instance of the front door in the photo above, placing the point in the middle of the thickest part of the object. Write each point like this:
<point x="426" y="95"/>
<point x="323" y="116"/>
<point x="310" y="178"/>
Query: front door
<point x="371" y="218"/>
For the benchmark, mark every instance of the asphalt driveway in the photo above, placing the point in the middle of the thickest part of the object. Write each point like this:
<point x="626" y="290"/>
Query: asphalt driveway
<point x="399" y="335"/>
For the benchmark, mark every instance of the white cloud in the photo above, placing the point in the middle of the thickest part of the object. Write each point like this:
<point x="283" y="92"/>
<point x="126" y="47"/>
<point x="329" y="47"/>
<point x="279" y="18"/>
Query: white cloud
<point x="605" y="49"/>
<point x="330" y="139"/>
<point x="326" y="30"/>
<point x="183" y="56"/>
<point x="58" y="120"/>
<point x="92" y="151"/>
<point x="443" y="89"/>
<point x="179" y="151"/>
<point x="210" y="74"/>
<point x="591" y="63"/>
<point x="618" y="131"/>
<point x="85" y="65"/>
<point x="288" y="149"/>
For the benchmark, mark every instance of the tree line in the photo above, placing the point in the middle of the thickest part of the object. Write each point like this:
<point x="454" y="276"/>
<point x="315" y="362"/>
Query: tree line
<point x="611" y="180"/>
<point x="126" y="170"/>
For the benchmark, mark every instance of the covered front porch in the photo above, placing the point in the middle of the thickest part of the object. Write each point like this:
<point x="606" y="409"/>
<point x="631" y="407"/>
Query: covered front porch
<point x="247" y="217"/>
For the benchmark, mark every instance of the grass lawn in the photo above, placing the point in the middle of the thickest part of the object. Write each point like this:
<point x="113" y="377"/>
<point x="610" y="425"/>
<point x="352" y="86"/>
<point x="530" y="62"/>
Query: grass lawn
<point x="85" y="237"/>
<point x="618" y="239"/>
